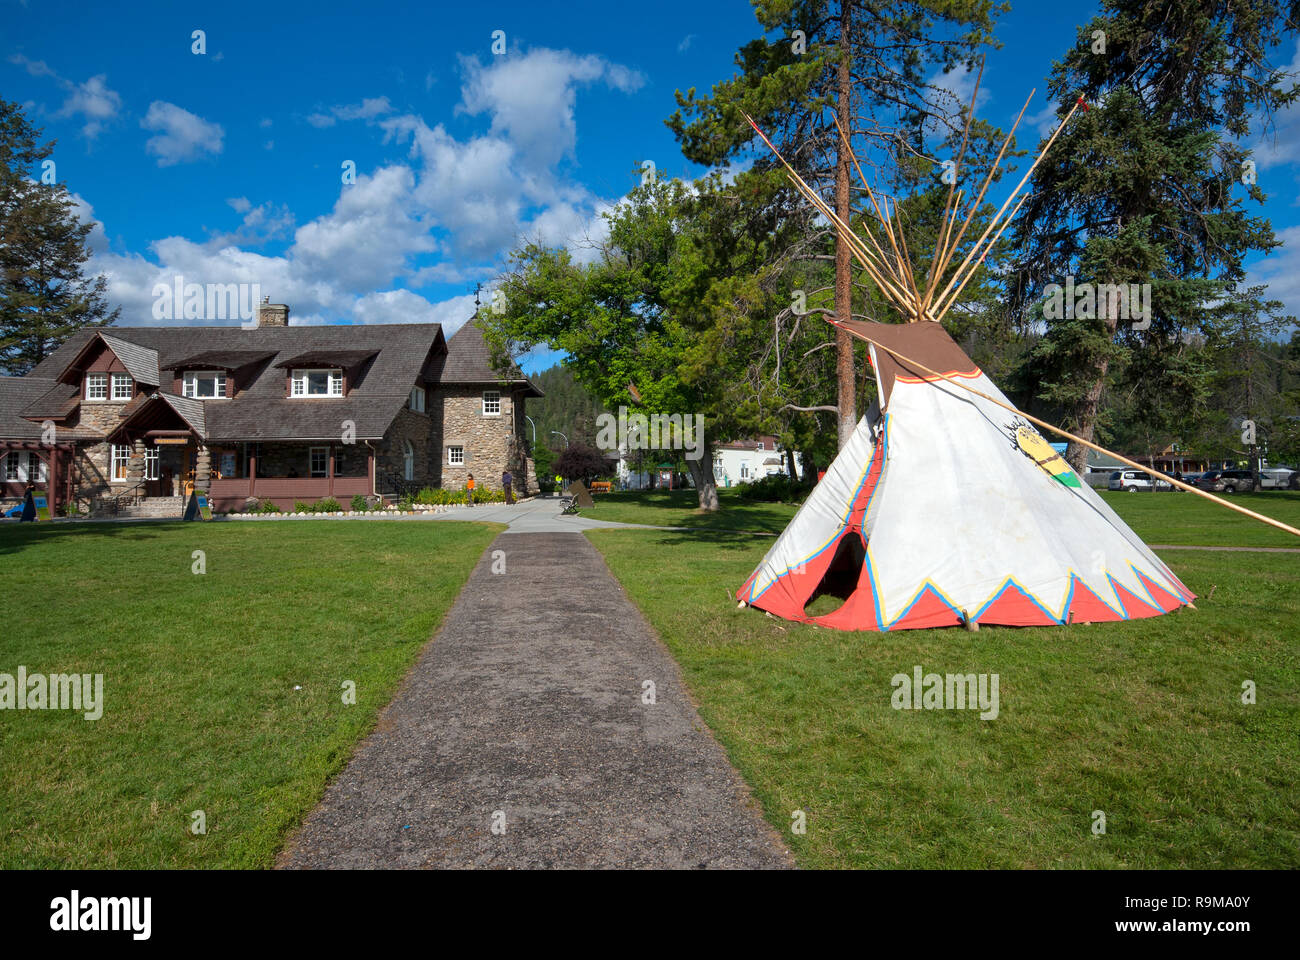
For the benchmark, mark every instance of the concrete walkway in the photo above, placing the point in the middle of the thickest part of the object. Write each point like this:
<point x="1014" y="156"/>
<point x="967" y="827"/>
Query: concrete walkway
<point x="525" y="714"/>
<point x="539" y="515"/>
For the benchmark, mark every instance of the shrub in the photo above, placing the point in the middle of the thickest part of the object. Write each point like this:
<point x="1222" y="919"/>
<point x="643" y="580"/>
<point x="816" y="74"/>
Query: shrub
<point x="774" y="488"/>
<point x="268" y="506"/>
<point x="300" y="507"/>
<point x="359" y="502"/>
<point x="327" y="505"/>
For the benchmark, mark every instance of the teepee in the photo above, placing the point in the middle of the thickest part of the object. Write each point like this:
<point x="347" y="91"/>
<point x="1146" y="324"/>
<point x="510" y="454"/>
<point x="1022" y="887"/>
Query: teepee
<point x="947" y="506"/>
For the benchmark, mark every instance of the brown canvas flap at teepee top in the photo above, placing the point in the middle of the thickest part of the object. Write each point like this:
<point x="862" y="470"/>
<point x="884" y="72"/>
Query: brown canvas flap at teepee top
<point x="926" y="343"/>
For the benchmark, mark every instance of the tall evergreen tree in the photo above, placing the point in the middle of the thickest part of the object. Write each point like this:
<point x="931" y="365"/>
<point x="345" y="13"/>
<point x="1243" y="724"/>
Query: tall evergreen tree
<point x="860" y="63"/>
<point x="1148" y="188"/>
<point x="45" y="295"/>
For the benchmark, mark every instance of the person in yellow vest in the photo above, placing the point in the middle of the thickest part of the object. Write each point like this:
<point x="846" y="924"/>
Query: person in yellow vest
<point x="469" y="489"/>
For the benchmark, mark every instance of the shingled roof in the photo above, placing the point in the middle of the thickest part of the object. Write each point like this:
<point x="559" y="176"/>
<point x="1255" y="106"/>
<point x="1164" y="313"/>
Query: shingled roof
<point x="403" y="353"/>
<point x="18" y="395"/>
<point x="469" y="360"/>
<point x="141" y="362"/>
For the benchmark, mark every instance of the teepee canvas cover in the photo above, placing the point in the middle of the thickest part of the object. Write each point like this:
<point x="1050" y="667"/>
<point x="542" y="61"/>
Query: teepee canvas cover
<point x="944" y="507"/>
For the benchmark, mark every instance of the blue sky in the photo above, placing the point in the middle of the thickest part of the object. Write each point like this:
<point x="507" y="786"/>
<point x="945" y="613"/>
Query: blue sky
<point x="226" y="166"/>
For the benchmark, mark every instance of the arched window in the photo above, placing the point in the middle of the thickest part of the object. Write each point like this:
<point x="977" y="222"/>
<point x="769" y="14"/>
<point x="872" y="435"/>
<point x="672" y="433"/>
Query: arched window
<point x="408" y="460"/>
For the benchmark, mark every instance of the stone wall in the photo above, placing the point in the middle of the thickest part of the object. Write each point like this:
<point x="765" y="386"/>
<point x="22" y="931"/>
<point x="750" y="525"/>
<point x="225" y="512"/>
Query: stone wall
<point x="390" y="458"/>
<point x="490" y="442"/>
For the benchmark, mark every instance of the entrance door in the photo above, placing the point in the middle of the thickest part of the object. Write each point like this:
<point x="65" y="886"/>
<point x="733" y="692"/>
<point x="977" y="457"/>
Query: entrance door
<point x="153" y="483"/>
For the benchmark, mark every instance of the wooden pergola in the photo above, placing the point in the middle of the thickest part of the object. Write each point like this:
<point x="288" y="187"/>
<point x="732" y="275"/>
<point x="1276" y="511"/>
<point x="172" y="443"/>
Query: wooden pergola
<point x="58" y="458"/>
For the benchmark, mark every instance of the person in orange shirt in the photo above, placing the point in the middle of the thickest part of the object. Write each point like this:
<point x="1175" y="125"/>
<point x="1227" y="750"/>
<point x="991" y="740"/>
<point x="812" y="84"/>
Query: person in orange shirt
<point x="469" y="489"/>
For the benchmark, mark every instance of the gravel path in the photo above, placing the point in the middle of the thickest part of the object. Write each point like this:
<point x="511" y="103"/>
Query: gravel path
<point x="527" y="710"/>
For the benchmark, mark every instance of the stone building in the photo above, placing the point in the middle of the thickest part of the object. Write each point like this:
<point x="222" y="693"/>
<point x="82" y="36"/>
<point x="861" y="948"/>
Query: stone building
<point x="139" y="416"/>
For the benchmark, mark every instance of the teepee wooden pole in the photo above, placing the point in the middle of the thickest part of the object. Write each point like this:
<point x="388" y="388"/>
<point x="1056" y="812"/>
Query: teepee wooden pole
<point x="1005" y="203"/>
<point x="1070" y="436"/>
<point x="951" y="248"/>
<point x="951" y="208"/>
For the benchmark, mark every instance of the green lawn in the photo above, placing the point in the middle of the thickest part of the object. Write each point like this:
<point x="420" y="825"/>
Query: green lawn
<point x="1198" y="520"/>
<point x="203" y="709"/>
<point x="679" y="508"/>
<point x="1142" y="720"/>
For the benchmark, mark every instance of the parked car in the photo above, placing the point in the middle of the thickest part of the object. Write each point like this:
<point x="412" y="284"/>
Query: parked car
<point x="1276" y="478"/>
<point x="1227" y="481"/>
<point x="1131" y="481"/>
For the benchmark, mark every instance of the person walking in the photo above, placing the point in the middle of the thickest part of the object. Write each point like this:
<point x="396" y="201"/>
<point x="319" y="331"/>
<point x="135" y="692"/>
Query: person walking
<point x="469" y="489"/>
<point x="506" y="481"/>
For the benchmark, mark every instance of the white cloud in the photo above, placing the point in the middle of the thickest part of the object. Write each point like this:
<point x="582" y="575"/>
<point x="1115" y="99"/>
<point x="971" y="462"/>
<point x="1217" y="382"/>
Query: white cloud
<point x="686" y="43"/>
<point x="365" y="242"/>
<point x="368" y="109"/>
<point x="261" y="224"/>
<point x="403" y="306"/>
<point x="1281" y="271"/>
<point x="444" y="214"/>
<point x="531" y="98"/>
<point x="958" y="84"/>
<point x="182" y="136"/>
<point x="1281" y="144"/>
<point x="92" y="99"/>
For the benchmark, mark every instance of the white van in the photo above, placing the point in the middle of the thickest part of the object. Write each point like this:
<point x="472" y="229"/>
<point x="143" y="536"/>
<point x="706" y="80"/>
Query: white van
<point x="1132" y="481"/>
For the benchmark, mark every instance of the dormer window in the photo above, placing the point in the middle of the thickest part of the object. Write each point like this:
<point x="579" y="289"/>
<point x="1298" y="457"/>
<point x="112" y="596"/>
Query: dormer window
<point x="204" y="384"/>
<point x="317" y="383"/>
<point x="96" y="386"/>
<point x="416" y="401"/>
<point x="123" y="386"/>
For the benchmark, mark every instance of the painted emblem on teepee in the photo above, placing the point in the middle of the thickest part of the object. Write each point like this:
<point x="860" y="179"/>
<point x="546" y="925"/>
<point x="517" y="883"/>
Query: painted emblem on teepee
<point x="1032" y="445"/>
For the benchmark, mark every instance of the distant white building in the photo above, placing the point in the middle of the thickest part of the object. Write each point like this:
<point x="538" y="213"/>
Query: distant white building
<point x="741" y="461"/>
<point x="744" y="461"/>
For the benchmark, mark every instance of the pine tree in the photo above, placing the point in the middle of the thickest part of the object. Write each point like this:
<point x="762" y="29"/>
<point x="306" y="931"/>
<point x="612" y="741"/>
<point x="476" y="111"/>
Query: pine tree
<point x="859" y="63"/>
<point x="1148" y="187"/>
<point x="45" y="296"/>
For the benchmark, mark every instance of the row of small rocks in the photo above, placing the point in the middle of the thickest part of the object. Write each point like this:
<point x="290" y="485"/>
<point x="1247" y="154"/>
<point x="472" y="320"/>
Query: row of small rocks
<point x="418" y="510"/>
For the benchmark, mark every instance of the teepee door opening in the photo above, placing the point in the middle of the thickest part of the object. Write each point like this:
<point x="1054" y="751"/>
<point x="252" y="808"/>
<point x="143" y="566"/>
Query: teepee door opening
<point x="841" y="577"/>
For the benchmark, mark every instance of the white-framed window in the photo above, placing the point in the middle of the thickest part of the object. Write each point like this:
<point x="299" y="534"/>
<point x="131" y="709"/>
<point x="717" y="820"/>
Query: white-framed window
<point x="35" y="468"/>
<point x="416" y="402"/>
<point x="319" y="461"/>
<point x="96" y="386"/>
<point x="408" y="460"/>
<point x="744" y="471"/>
<point x="317" y="383"/>
<point x="11" y="466"/>
<point x="120" y="464"/>
<point x="204" y="384"/>
<point x="123" y="387"/>
<point x="456" y="456"/>
<point x="491" y="403"/>
<point x="151" y="463"/>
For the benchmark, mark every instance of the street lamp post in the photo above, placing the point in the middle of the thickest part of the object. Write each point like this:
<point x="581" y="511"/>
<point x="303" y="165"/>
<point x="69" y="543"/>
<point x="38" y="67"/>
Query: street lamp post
<point x="566" y="442"/>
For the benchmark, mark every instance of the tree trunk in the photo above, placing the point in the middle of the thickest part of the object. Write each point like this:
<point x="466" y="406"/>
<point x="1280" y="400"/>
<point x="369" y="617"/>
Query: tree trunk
<point x="1076" y="455"/>
<point x="701" y="470"/>
<point x="843" y="265"/>
<point x="790" y="464"/>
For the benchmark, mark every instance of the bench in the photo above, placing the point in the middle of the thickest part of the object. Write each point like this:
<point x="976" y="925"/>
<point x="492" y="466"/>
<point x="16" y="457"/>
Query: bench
<point x="601" y="486"/>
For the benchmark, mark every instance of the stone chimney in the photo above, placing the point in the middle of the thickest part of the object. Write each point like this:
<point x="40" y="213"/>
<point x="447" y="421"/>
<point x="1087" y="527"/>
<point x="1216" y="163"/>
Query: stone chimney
<point x="272" y="314"/>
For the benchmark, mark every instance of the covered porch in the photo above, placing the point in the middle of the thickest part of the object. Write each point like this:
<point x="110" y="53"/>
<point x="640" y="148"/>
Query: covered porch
<point x="46" y="466"/>
<point x="287" y="472"/>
